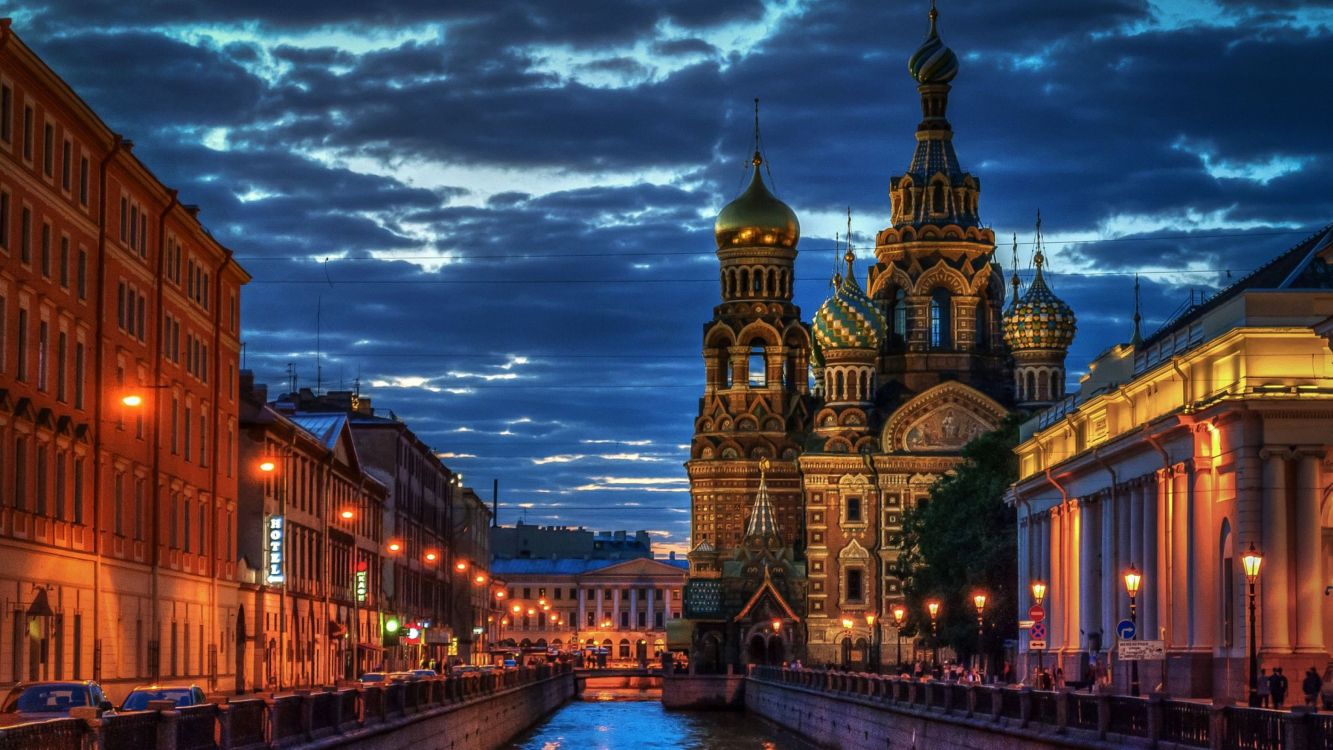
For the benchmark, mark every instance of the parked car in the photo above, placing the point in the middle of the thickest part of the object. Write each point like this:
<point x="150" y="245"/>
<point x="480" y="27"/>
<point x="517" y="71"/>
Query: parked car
<point x="463" y="669"/>
<point x="374" y="677"/>
<point x="401" y="676"/>
<point x="510" y="664"/>
<point x="38" y="701"/>
<point x="424" y="674"/>
<point x="183" y="695"/>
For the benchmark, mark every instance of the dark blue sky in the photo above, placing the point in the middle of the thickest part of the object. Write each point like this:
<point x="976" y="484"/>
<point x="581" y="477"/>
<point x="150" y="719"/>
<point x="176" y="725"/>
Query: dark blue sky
<point x="503" y="208"/>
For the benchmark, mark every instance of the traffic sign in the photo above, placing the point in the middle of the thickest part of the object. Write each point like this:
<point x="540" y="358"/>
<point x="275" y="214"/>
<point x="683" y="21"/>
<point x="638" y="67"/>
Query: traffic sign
<point x="1125" y="630"/>
<point x="1024" y="624"/>
<point x="1036" y="612"/>
<point x="1141" y="650"/>
<point x="1037" y="632"/>
<point x="1036" y="645"/>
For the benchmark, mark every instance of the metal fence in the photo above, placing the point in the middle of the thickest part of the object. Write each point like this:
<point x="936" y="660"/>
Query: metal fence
<point x="57" y="734"/>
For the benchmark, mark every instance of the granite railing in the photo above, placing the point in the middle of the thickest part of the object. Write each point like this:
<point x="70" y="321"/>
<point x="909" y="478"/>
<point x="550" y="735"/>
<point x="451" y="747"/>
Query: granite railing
<point x="264" y="723"/>
<point x="1114" y="719"/>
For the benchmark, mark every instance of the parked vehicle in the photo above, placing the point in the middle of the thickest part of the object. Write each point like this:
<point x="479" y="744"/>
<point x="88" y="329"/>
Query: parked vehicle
<point x="401" y="676"/>
<point x="183" y="695"/>
<point x="510" y="664"/>
<point x="424" y="674"/>
<point x="38" y="701"/>
<point x="374" y="677"/>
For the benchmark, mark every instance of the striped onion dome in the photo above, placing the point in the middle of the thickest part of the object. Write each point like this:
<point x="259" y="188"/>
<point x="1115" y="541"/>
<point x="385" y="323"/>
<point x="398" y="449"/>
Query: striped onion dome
<point x="933" y="62"/>
<point x="1039" y="320"/>
<point x="848" y="319"/>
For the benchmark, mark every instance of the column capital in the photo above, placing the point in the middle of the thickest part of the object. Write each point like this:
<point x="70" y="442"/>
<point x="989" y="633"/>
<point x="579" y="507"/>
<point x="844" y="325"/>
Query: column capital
<point x="1282" y="452"/>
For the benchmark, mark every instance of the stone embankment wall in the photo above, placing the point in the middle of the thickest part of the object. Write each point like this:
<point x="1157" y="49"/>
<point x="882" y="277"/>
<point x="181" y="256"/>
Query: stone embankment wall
<point x="471" y="712"/>
<point x="694" y="691"/>
<point x="851" y="711"/>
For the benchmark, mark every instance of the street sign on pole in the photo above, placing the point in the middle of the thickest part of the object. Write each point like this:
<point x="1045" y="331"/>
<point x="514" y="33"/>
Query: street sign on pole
<point x="1125" y="630"/>
<point x="1025" y="624"/>
<point x="1036" y="633"/>
<point x="1141" y="650"/>
<point x="1037" y="613"/>
<point x="1036" y="645"/>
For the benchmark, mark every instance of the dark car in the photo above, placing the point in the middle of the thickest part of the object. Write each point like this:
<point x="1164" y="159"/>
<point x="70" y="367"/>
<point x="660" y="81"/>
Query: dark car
<point x="424" y="674"/>
<point x="38" y="701"/>
<point x="373" y="677"/>
<point x="183" y="695"/>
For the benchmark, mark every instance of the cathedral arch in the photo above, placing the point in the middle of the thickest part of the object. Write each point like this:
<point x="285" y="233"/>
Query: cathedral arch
<point x="1029" y="386"/>
<point x="942" y="418"/>
<point x="837" y="445"/>
<point x="942" y="276"/>
<point x="744" y="280"/>
<point x="759" y="333"/>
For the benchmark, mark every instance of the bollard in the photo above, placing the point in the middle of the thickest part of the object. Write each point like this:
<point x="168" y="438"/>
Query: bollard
<point x="1298" y="729"/>
<point x="972" y="689"/>
<point x="167" y="718"/>
<point x="1156" y="716"/>
<point x="307" y="712"/>
<point x="1217" y="723"/>
<point x="1062" y="701"/>
<point x="996" y="702"/>
<point x="1103" y="715"/>
<point x="224" y="725"/>
<point x="1024" y="706"/>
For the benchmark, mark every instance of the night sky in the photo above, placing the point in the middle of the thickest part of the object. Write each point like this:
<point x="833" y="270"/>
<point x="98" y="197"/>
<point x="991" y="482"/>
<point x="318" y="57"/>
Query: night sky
<point x="499" y="213"/>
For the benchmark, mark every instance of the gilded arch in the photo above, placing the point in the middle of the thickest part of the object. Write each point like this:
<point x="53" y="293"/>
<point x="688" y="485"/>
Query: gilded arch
<point x="941" y="419"/>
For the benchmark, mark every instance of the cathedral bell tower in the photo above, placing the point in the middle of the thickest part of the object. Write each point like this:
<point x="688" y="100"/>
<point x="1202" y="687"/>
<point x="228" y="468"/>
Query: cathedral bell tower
<point x="935" y="284"/>
<point x="756" y="357"/>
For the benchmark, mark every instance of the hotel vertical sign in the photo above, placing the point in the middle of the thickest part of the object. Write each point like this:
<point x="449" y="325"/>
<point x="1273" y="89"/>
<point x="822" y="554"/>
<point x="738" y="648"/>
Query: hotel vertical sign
<point x="362" y="580"/>
<point x="276" y="531"/>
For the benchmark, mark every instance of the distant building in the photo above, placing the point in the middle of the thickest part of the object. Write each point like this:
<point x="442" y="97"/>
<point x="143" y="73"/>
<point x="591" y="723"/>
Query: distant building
<point x="582" y="603"/>
<point x="119" y="341"/>
<point x="1178" y="453"/>
<point x="523" y="541"/>
<point x="310" y="545"/>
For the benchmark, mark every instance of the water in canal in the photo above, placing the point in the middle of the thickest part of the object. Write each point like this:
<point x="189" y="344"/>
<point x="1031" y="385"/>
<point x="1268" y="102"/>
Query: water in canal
<point x="635" y="720"/>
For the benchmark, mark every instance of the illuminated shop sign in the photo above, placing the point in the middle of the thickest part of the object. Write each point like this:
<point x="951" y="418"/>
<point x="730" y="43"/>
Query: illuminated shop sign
<point x="276" y="531"/>
<point x="362" y="580"/>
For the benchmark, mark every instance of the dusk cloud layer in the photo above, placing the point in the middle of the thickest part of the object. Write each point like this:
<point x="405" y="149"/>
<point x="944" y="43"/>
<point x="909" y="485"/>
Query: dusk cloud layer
<point x="499" y="212"/>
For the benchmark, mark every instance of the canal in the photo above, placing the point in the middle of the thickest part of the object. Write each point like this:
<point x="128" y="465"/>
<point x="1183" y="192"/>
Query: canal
<point x="635" y="720"/>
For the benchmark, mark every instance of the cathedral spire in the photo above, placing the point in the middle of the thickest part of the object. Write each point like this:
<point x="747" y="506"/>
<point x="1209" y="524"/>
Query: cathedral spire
<point x="1013" y="274"/>
<point x="763" y="523"/>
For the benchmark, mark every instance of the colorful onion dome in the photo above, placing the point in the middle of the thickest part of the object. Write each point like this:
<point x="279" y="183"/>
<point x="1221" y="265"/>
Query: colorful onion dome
<point x="756" y="217"/>
<point x="933" y="62"/>
<point x="1039" y="320"/>
<point x="848" y="319"/>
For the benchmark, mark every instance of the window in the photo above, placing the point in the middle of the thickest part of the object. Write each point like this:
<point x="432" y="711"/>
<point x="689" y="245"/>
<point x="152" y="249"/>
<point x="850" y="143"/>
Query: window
<point x="854" y="509"/>
<point x="43" y="329"/>
<point x="940" y="329"/>
<point x="124" y="218"/>
<point x="25" y="235"/>
<point x="64" y="165"/>
<point x="203" y="527"/>
<point x="175" y="419"/>
<point x="40" y="477"/>
<point x="83" y="181"/>
<point x="186" y="526"/>
<point x="140" y="500"/>
<point x="4" y="221"/>
<point x="855" y="589"/>
<point x="21" y="372"/>
<point x="4" y="337"/>
<point x="173" y="526"/>
<point x="27" y="133"/>
<point x="188" y="425"/>
<point x="46" y="250"/>
<point x="62" y="342"/>
<point x="64" y="263"/>
<point x="82" y="274"/>
<point x="624" y="619"/>
<point x="78" y="491"/>
<point x="203" y="440"/>
<point x="48" y="150"/>
<point x="758" y="377"/>
<point x="118" y="505"/>
<point x="6" y="114"/>
<point x="78" y="375"/>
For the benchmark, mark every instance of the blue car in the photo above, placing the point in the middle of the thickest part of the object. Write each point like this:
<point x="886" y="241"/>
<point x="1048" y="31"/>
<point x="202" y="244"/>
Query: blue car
<point x="183" y="695"/>
<point x="39" y="701"/>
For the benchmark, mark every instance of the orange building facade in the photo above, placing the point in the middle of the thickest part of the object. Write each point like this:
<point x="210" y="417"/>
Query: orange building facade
<point x="119" y="345"/>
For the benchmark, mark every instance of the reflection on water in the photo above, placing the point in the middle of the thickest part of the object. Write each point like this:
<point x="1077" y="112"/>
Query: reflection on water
<point x="622" y="719"/>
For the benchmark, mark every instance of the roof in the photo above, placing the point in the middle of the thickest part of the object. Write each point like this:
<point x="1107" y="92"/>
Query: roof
<point x="1293" y="269"/>
<point x="547" y="566"/>
<point x="326" y="427"/>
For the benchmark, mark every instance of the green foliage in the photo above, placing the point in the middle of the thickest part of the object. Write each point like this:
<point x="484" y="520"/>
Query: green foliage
<point x="962" y="540"/>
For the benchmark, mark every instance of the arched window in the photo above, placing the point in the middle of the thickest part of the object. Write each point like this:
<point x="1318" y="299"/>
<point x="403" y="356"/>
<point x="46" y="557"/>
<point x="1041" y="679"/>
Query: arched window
<point x="1057" y="389"/>
<point x="939" y="198"/>
<point x="758" y="377"/>
<point x="723" y="368"/>
<point x="1029" y="387"/>
<point x="758" y="281"/>
<point x="745" y="280"/>
<point x="838" y="386"/>
<point x="772" y="282"/>
<point x="624" y="648"/>
<point x="941" y="330"/>
<point x="907" y="201"/>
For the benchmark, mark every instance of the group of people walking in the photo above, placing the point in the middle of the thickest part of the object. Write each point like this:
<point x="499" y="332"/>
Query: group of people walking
<point x="1273" y="688"/>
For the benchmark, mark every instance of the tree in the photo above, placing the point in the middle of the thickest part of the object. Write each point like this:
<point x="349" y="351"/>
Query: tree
<point x="962" y="540"/>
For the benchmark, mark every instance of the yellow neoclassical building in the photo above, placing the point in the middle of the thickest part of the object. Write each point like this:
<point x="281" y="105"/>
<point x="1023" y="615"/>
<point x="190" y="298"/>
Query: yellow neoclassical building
<point x="1177" y="453"/>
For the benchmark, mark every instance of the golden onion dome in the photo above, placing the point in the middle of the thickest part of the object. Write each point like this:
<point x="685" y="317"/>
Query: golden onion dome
<point x="756" y="218"/>
<point x="1039" y="320"/>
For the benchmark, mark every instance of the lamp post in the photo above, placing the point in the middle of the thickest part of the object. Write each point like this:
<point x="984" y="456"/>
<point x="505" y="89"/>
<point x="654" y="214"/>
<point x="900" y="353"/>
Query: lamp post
<point x="874" y="642"/>
<point x="847" y="623"/>
<point x="933" y="607"/>
<point x="1038" y="596"/>
<point x="979" y="600"/>
<point x="1132" y="582"/>
<point x="899" y="614"/>
<point x="1252" y="560"/>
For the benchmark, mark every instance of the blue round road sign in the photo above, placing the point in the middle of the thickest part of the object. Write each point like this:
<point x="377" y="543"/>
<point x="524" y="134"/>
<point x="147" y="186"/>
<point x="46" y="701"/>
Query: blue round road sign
<point x="1038" y="631"/>
<point x="1125" y="629"/>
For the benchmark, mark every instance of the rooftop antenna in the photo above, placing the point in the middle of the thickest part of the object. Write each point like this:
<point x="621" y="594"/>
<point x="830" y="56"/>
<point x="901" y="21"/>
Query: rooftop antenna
<point x="291" y="377"/>
<point x="1137" y="338"/>
<point x="357" y="383"/>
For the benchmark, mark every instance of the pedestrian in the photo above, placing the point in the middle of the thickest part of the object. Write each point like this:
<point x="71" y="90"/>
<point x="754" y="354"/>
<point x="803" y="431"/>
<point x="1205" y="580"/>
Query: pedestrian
<point x="1312" y="686"/>
<point x="1264" y="689"/>
<point x="1277" y="685"/>
<point x="1059" y="678"/>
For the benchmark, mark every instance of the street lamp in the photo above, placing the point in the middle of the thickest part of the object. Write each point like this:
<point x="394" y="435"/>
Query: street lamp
<point x="899" y="614"/>
<point x="933" y="607"/>
<point x="1038" y="596"/>
<point x="1252" y="561"/>
<point x="847" y="624"/>
<point x="874" y="642"/>
<point x="979" y="600"/>
<point x="1132" y="582"/>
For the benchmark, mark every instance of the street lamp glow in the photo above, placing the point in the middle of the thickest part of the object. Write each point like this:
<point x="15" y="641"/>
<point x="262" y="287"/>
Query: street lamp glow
<point x="870" y="619"/>
<point x="461" y="566"/>
<point x="933" y="606"/>
<point x="899" y="613"/>
<point x="1132" y="581"/>
<point x="132" y="400"/>
<point x="480" y="579"/>
<point x="777" y="625"/>
<point x="532" y="611"/>
<point x="391" y="625"/>
<point x="267" y="466"/>
<point x="431" y="556"/>
<point x="1252" y="560"/>
<point x="347" y="515"/>
<point x="395" y="546"/>
<point x="517" y="608"/>
<point x="500" y="594"/>
<point x="847" y="623"/>
<point x="980" y="601"/>
<point x="1039" y="591"/>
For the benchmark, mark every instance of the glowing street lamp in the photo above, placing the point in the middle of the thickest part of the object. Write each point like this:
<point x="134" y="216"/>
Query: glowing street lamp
<point x="395" y="546"/>
<point x="1252" y="560"/>
<point x="132" y="400"/>
<point x="1132" y="582"/>
<point x="431" y="556"/>
<point x="899" y="614"/>
<point x="979" y="601"/>
<point x="266" y="466"/>
<point x="480" y="579"/>
<point x="777" y="625"/>
<point x="347" y="514"/>
<point x="933" y="607"/>
<point x="461" y="566"/>
<point x="1038" y="591"/>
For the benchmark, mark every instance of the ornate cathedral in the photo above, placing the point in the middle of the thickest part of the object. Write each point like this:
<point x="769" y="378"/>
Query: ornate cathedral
<point x="813" y="438"/>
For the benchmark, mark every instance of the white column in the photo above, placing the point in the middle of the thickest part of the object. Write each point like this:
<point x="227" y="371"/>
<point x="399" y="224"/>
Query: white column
<point x="615" y="608"/>
<point x="1088" y="580"/>
<point x="583" y="609"/>
<point x="601" y="609"/>
<point x="633" y="608"/>
<point x="1274" y="626"/>
<point x="652" y="599"/>
<point x="1181" y="602"/>
<point x="1145" y="549"/>
<point x="1113" y="555"/>
<point x="1309" y="597"/>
